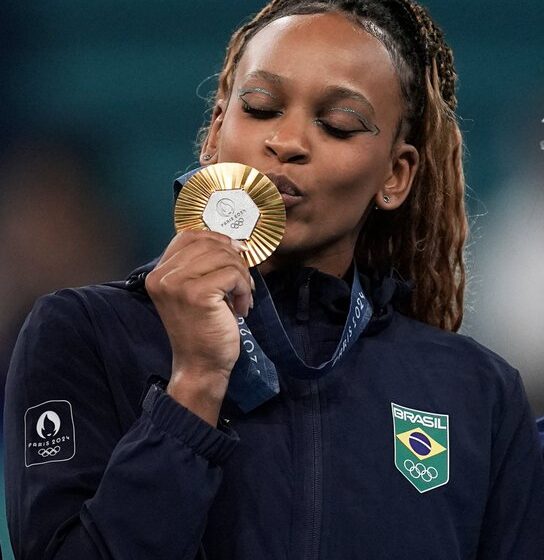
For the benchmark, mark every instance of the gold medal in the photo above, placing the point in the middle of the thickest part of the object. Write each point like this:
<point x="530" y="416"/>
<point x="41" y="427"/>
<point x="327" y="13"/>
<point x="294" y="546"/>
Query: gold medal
<point x="236" y="200"/>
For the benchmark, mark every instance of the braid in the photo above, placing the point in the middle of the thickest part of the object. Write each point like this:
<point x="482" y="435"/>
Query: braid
<point x="432" y="237"/>
<point x="431" y="41"/>
<point x="424" y="239"/>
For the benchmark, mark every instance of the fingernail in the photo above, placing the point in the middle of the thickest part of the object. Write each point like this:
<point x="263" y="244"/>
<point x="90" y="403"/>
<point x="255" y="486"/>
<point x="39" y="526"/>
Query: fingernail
<point x="237" y="245"/>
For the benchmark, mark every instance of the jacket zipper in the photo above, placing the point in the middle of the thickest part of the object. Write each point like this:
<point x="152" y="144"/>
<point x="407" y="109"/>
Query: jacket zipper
<point x="313" y="529"/>
<point x="303" y="303"/>
<point x="312" y="428"/>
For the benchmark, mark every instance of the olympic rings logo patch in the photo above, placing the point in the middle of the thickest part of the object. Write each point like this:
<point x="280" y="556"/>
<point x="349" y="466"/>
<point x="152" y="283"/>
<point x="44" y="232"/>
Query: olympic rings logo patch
<point x="422" y="446"/>
<point x="49" y="452"/>
<point x="419" y="470"/>
<point x="50" y="435"/>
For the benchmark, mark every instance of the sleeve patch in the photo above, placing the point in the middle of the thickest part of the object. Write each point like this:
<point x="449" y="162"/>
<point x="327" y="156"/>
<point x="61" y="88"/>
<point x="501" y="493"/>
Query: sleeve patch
<point x="49" y="433"/>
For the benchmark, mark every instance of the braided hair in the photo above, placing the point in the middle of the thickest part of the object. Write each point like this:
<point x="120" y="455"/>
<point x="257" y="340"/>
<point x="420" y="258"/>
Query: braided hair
<point x="423" y="240"/>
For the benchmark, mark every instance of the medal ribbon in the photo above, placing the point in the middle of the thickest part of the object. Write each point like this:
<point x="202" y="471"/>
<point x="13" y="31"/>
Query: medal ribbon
<point x="180" y="181"/>
<point x="254" y="379"/>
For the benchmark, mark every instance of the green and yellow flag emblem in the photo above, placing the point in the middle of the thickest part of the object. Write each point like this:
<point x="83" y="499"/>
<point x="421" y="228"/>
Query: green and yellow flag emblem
<point x="421" y="446"/>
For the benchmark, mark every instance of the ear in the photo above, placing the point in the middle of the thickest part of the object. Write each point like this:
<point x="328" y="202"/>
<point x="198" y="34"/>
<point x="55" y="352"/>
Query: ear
<point x="404" y="166"/>
<point x="210" y="146"/>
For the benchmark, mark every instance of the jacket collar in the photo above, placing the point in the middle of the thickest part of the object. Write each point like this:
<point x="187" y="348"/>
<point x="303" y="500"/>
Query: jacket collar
<point x="386" y="294"/>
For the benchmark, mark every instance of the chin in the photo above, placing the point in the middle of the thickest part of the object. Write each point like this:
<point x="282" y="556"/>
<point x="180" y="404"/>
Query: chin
<point x="291" y="244"/>
<point x="296" y="251"/>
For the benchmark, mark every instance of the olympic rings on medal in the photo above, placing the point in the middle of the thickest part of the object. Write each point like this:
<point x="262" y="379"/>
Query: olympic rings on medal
<point x="49" y="452"/>
<point x="419" y="470"/>
<point x="237" y="224"/>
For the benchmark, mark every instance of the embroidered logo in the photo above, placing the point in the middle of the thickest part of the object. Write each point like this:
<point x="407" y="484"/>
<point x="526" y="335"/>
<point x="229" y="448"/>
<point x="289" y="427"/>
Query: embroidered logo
<point x="421" y="446"/>
<point x="49" y="433"/>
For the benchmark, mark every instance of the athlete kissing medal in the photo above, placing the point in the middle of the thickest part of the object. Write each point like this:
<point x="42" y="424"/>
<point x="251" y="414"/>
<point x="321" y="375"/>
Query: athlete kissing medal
<point x="236" y="200"/>
<point x="244" y="204"/>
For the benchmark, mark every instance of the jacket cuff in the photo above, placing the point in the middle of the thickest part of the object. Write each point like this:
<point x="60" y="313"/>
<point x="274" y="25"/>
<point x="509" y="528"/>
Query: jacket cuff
<point x="214" y="444"/>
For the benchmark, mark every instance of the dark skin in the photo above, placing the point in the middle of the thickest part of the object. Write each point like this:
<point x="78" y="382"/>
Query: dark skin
<point x="323" y="113"/>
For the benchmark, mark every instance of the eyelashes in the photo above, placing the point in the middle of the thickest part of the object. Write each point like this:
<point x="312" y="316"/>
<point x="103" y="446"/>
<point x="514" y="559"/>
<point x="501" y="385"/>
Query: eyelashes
<point x="258" y="113"/>
<point x="335" y="131"/>
<point x="330" y="129"/>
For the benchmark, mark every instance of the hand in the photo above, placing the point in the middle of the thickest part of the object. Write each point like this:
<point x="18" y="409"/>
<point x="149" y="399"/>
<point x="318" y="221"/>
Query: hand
<point x="198" y="286"/>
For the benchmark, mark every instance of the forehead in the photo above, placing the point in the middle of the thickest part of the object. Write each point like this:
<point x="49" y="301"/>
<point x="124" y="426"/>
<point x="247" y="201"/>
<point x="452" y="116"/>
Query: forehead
<point x="321" y="50"/>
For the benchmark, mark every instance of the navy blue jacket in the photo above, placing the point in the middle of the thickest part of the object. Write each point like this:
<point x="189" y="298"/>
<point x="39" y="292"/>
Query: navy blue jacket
<point x="308" y="475"/>
<point x="540" y="427"/>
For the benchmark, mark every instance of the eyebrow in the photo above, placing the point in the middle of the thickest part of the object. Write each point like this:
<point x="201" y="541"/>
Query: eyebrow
<point x="332" y="92"/>
<point x="337" y="92"/>
<point x="267" y="76"/>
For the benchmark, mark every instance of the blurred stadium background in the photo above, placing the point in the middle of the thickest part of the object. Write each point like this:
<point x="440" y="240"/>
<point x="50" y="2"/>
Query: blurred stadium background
<point x="100" y="103"/>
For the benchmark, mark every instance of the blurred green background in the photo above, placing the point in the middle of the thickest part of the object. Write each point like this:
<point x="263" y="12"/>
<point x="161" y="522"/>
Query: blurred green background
<point x="100" y="103"/>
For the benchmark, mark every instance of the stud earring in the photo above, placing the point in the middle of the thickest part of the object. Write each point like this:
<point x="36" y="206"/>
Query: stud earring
<point x="206" y="157"/>
<point x="386" y="199"/>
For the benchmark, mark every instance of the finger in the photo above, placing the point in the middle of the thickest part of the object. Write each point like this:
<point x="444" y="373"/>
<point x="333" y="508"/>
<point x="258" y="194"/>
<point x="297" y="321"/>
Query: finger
<point x="185" y="238"/>
<point x="172" y="280"/>
<point x="216" y="259"/>
<point x="173" y="283"/>
<point x="184" y="259"/>
<point x="216" y="285"/>
<point x="187" y="254"/>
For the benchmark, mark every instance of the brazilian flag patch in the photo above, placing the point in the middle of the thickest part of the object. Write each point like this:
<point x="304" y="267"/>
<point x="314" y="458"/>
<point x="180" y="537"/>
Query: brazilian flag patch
<point x="421" y="447"/>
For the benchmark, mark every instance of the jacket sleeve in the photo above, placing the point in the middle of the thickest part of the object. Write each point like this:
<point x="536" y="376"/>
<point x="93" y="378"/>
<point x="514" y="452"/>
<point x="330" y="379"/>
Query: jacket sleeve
<point x="76" y="486"/>
<point x="512" y="527"/>
<point x="540" y="428"/>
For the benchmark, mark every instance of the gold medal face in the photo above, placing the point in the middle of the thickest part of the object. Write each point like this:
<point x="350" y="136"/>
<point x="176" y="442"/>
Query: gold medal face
<point x="238" y="201"/>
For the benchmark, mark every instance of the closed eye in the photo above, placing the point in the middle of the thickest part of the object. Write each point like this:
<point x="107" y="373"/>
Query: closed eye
<point x="258" y="113"/>
<point x="339" y="122"/>
<point x="344" y="122"/>
<point x="337" y="132"/>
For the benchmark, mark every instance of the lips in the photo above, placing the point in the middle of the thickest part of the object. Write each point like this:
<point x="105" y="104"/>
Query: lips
<point x="285" y="185"/>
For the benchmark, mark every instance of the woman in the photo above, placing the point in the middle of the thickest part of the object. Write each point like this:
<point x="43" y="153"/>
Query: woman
<point x="405" y="441"/>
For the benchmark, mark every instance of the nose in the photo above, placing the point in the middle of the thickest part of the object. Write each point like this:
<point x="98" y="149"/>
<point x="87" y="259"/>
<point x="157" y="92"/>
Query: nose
<point x="288" y="140"/>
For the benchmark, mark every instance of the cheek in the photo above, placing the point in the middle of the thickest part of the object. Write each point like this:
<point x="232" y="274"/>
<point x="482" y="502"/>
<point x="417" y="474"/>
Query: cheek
<point x="351" y="188"/>
<point x="233" y="143"/>
<point x="345" y="200"/>
<point x="227" y="146"/>
<point x="360" y="172"/>
<point x="340" y="209"/>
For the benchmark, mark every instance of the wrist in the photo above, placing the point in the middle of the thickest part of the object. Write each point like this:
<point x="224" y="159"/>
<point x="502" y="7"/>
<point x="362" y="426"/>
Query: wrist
<point x="201" y="393"/>
<point x="210" y="386"/>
